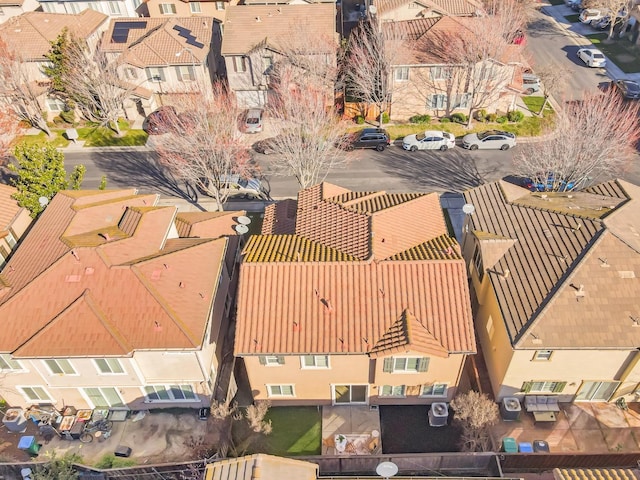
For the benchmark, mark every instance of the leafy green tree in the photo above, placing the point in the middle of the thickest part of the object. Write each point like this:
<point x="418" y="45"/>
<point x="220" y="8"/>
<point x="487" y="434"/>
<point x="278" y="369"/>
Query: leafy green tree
<point x="40" y="173"/>
<point x="57" y="468"/>
<point x="57" y="69"/>
<point x="103" y="183"/>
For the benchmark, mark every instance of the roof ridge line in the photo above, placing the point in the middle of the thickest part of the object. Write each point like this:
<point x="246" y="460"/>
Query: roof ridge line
<point x="103" y="319"/>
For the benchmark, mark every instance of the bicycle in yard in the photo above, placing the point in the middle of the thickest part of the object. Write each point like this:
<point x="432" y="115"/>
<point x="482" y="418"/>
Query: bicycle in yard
<point x="103" y="426"/>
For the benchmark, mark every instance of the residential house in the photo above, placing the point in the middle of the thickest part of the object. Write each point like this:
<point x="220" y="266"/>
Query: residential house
<point x="555" y="280"/>
<point x="265" y="466"/>
<point x="112" y="8"/>
<point x="398" y="10"/>
<point x="256" y="35"/>
<point x="188" y="8"/>
<point x="30" y="36"/>
<point x="163" y="56"/>
<point x="424" y="83"/>
<point x="14" y="222"/>
<point x="353" y="298"/>
<point x="13" y="8"/>
<point x="111" y="300"/>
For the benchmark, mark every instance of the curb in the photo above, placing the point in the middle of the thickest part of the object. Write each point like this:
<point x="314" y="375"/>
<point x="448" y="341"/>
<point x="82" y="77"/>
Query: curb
<point x="72" y="148"/>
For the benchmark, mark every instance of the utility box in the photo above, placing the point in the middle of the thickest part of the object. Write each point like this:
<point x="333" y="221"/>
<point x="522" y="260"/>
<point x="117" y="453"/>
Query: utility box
<point x="510" y="409"/>
<point x="438" y="414"/>
<point x="122" y="451"/>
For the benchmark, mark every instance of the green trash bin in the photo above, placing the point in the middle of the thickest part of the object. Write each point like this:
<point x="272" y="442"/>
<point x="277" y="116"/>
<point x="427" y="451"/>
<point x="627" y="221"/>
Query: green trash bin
<point x="29" y="444"/>
<point x="509" y="445"/>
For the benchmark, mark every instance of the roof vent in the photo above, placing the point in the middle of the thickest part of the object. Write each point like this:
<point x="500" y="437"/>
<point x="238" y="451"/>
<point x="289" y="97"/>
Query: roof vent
<point x="89" y="271"/>
<point x="258" y="19"/>
<point x="157" y="326"/>
<point x="75" y="254"/>
<point x="72" y="278"/>
<point x="627" y="274"/>
<point x="105" y="235"/>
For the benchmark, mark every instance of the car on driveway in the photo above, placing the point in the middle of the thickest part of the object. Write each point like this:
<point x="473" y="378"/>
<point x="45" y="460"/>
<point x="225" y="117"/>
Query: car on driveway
<point x="235" y="185"/>
<point x="538" y="185"/>
<point x="592" y="57"/>
<point x="252" y="121"/>
<point x="592" y="15"/>
<point x="490" y="139"/>
<point x="376" y="138"/>
<point x="161" y="121"/>
<point x="530" y="83"/>
<point x="429" y="140"/>
<point x="627" y="88"/>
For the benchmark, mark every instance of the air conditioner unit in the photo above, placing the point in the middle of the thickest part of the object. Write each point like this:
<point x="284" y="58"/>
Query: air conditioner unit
<point x="510" y="409"/>
<point x="438" y="414"/>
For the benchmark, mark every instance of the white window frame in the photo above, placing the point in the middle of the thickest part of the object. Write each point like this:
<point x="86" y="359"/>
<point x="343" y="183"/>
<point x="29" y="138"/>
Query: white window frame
<point x="48" y="7"/>
<point x="60" y="365"/>
<point x="74" y="7"/>
<point x="271" y="394"/>
<point x="195" y="7"/>
<point x="151" y="74"/>
<point x="393" y="391"/>
<point x="107" y="360"/>
<point x="239" y="64"/>
<point x="168" y="8"/>
<point x="401" y="74"/>
<point x="315" y="365"/>
<point x="136" y="4"/>
<point x="220" y="6"/>
<point x="542" y="355"/>
<point x="463" y="100"/>
<point x="271" y="361"/>
<point x="48" y="399"/>
<point x="169" y="391"/>
<point x="427" y="390"/>
<point x="544" y="387"/>
<point x="55" y="105"/>
<point x="114" y="8"/>
<point x="439" y="73"/>
<point x="87" y="397"/>
<point x="186" y="73"/>
<point x="440" y="101"/>
<point x="8" y="364"/>
<point x="395" y="368"/>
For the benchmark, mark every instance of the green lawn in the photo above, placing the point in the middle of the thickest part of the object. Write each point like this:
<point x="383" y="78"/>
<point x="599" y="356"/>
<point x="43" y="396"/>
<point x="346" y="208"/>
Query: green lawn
<point x="575" y="18"/>
<point x="296" y="431"/>
<point x="621" y="52"/>
<point x="93" y="136"/>
<point x="534" y="104"/>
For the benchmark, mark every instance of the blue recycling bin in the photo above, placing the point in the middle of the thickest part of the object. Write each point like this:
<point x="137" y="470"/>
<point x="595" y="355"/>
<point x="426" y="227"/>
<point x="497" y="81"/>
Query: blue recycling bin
<point x="29" y="444"/>
<point x="525" y="447"/>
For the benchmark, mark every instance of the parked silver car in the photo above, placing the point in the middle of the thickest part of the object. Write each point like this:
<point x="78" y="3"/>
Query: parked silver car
<point x="253" y="120"/>
<point x="491" y="139"/>
<point x="530" y="83"/>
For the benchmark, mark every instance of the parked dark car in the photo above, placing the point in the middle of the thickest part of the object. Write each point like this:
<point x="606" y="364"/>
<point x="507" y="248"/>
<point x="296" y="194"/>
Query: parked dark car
<point x="376" y="138"/>
<point x="167" y="120"/>
<point x="627" y="88"/>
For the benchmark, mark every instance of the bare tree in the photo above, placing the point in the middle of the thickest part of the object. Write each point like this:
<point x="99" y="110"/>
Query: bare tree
<point x="17" y="92"/>
<point x="94" y="84"/>
<point x="618" y="10"/>
<point x="593" y="137"/>
<point x="372" y="53"/>
<point x="475" y="412"/>
<point x="238" y="429"/>
<point x="10" y="128"/>
<point x="553" y="78"/>
<point x="205" y="150"/>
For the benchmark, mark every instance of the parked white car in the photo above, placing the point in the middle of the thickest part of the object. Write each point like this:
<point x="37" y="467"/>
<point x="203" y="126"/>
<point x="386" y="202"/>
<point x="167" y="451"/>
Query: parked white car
<point x="429" y="140"/>
<point x="491" y="139"/>
<point x="592" y="57"/>
<point x="589" y="15"/>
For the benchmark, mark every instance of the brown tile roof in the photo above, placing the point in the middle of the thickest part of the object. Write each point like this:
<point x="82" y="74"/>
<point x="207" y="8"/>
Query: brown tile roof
<point x="89" y="287"/>
<point x="440" y="7"/>
<point x="403" y="289"/>
<point x="207" y="224"/>
<point x="567" y="268"/>
<point x="31" y="33"/>
<point x="158" y="41"/>
<point x="9" y="208"/>
<point x="253" y="467"/>
<point x="280" y="218"/>
<point x="243" y="32"/>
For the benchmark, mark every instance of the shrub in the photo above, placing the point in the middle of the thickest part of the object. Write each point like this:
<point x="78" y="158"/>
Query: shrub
<point x="58" y="120"/>
<point x="481" y="115"/>
<point x="515" y="116"/>
<point x="385" y="117"/>
<point x="68" y="116"/>
<point x="502" y="119"/>
<point x="459" y="117"/>
<point x="111" y="461"/>
<point x="492" y="117"/>
<point x="420" y="119"/>
<point x="360" y="120"/>
<point x="445" y="120"/>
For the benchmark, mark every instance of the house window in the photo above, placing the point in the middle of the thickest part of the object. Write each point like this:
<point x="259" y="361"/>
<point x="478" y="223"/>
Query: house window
<point x="60" y="367"/>
<point x="406" y="364"/>
<point x="462" y="101"/>
<point x="271" y="360"/>
<point x="543" y="387"/>
<point x="185" y="73"/>
<point x="477" y="262"/>
<point x="8" y="363"/>
<point x="489" y="326"/>
<point x="114" y="8"/>
<point x="267" y="63"/>
<point x="402" y="74"/>
<point x="239" y="64"/>
<point x="167" y="8"/>
<point x="315" y="361"/>
<point x="10" y="239"/>
<point x="109" y="366"/>
<point x="74" y="7"/>
<point x="103" y="397"/>
<point x="36" y="394"/>
<point x="280" y="391"/>
<point x="131" y="73"/>
<point x="392" y="391"/>
<point x="437" y="101"/>
<point x="543" y="355"/>
<point x="55" y="105"/>
<point x="439" y="73"/>
<point x="194" y="7"/>
<point x="3" y="256"/>
<point x="48" y="7"/>
<point x="434" y="390"/>
<point x="169" y="393"/>
<point x="136" y="4"/>
<point x="413" y="5"/>
<point x="155" y="74"/>
<point x="219" y="5"/>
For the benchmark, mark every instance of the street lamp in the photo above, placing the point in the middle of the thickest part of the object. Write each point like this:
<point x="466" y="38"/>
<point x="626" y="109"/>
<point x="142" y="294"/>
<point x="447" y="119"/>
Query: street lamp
<point x="193" y="59"/>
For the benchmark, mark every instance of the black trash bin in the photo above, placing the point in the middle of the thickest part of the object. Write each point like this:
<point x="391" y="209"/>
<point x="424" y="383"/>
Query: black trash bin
<point x="540" y="446"/>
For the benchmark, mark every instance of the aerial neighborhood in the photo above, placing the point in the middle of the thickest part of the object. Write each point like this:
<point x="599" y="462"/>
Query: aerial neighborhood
<point x="389" y="237"/>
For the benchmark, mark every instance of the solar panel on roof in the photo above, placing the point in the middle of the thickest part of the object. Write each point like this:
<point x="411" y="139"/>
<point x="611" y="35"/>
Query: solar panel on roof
<point x="192" y="41"/>
<point x="188" y="36"/>
<point x="121" y="30"/>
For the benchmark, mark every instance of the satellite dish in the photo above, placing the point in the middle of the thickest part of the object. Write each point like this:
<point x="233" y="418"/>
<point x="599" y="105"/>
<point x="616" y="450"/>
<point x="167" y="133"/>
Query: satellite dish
<point x="243" y="220"/>
<point x="373" y="9"/>
<point x="43" y="201"/>
<point x="387" y="469"/>
<point x="468" y="209"/>
<point x="241" y="229"/>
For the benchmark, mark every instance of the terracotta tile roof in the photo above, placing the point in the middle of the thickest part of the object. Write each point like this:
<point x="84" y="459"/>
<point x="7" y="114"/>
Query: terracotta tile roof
<point x="9" y="208"/>
<point x="207" y="224"/>
<point x="280" y="218"/>
<point x="316" y="296"/>
<point x="158" y="40"/>
<point x="593" y="474"/>
<point x="411" y="30"/>
<point x="274" y="25"/>
<point x="571" y="263"/>
<point x="439" y="7"/>
<point x="253" y="467"/>
<point x="31" y="33"/>
<point x="108" y="291"/>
